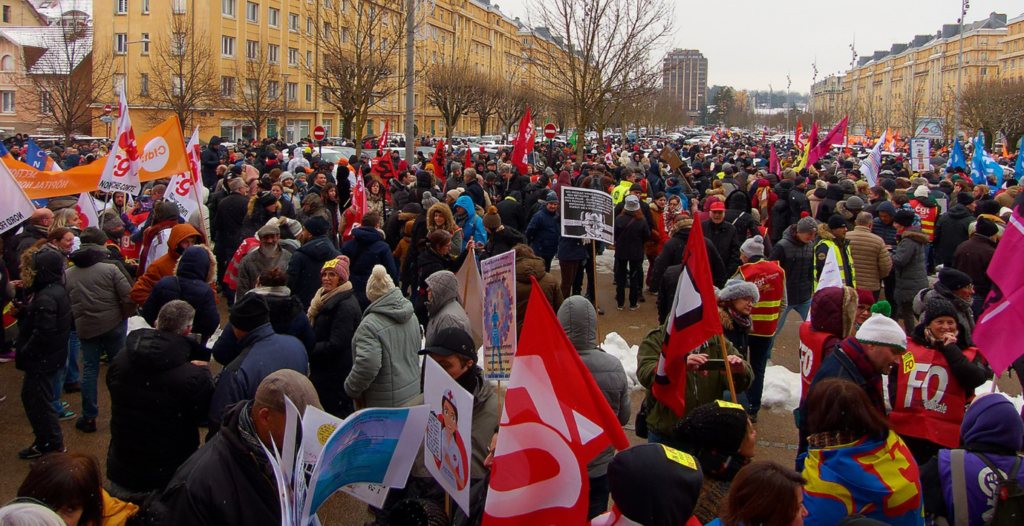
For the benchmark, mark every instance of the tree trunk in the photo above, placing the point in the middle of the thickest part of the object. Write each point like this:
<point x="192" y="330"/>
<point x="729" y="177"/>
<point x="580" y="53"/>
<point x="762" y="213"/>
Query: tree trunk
<point x="483" y="125"/>
<point x="346" y="126"/>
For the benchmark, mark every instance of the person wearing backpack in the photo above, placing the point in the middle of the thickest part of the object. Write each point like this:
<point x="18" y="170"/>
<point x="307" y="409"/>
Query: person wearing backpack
<point x="991" y="435"/>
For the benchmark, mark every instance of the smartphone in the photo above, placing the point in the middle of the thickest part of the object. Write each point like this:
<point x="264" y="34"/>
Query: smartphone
<point x="716" y="364"/>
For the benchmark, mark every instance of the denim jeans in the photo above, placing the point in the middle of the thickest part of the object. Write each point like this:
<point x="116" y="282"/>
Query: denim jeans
<point x="112" y="342"/>
<point x="760" y="349"/>
<point x="598" y="496"/>
<point x="801" y="308"/>
<point x="72" y="375"/>
<point x="58" y="387"/>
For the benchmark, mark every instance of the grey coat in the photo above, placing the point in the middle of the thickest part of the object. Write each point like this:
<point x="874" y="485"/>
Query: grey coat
<point x="445" y="308"/>
<point x="909" y="261"/>
<point x="100" y="294"/>
<point x="386" y="366"/>
<point x="254" y="263"/>
<point x="579" y="319"/>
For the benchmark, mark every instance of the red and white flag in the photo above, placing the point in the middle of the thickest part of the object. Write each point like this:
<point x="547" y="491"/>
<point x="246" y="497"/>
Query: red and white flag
<point x="692" y="321"/>
<point x="86" y="211"/>
<point x="183" y="188"/>
<point x="121" y="172"/>
<point x="523" y="146"/>
<point x="608" y="159"/>
<point x="554" y="422"/>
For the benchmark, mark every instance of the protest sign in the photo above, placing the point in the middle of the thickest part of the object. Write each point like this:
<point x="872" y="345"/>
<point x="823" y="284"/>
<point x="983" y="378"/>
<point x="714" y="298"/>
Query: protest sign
<point x="587" y="214"/>
<point x="920" y="160"/>
<point x="446" y="445"/>
<point x="499" y="323"/>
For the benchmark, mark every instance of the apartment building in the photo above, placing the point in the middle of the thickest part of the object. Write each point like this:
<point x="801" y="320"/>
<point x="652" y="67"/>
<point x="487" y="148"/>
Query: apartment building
<point x="1011" y="56"/>
<point x="685" y="76"/>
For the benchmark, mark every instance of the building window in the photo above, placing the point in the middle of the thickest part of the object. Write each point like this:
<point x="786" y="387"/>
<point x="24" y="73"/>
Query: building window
<point x="121" y="43"/>
<point x="293" y="22"/>
<point x="145" y="43"/>
<point x="178" y="7"/>
<point x="227" y="46"/>
<point x="292" y="91"/>
<point x="250" y="87"/>
<point x="252" y="12"/>
<point x="293" y="56"/>
<point x="227" y="8"/>
<point x="121" y="7"/>
<point x="7" y="14"/>
<point x="327" y="30"/>
<point x="252" y="49"/>
<point x="344" y="35"/>
<point x="7" y="63"/>
<point x="309" y="26"/>
<point x="273" y="53"/>
<point x="274" y="17"/>
<point x="309" y="93"/>
<point x="273" y="89"/>
<point x="144" y="84"/>
<point x="309" y="59"/>
<point x="145" y="7"/>
<point x="8" y="102"/>
<point x="227" y="87"/>
<point x="179" y="44"/>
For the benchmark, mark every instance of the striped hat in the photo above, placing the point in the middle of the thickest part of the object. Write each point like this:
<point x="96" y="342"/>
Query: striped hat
<point x="882" y="330"/>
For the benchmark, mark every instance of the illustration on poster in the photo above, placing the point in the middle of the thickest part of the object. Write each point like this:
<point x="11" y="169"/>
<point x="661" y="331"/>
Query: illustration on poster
<point x="592" y="224"/>
<point x="451" y="457"/>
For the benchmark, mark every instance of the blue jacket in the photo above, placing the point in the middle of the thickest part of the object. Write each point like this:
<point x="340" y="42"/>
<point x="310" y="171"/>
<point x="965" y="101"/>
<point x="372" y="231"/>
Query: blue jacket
<point x="473" y="226"/>
<point x="270" y="352"/>
<point x="543" y="233"/>
<point x="366" y="249"/>
<point x="305" y="265"/>
<point x="678" y="191"/>
<point x="191" y="284"/>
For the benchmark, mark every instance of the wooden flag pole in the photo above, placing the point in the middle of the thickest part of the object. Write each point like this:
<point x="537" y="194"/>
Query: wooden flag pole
<point x="728" y="368"/>
<point x="593" y="261"/>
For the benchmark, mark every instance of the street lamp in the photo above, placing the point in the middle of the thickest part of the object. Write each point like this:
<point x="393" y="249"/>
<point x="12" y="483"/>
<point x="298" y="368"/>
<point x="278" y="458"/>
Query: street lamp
<point x="964" y="6"/>
<point x="284" y="93"/>
<point x="814" y="81"/>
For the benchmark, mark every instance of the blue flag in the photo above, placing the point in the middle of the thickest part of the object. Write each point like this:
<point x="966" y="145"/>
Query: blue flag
<point x="36" y="157"/>
<point x="1018" y="171"/>
<point x="957" y="158"/>
<point x="983" y="165"/>
<point x="4" y="152"/>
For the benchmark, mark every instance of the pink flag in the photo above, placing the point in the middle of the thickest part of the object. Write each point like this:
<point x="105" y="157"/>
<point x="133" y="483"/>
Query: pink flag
<point x="995" y="335"/>
<point x="836" y="136"/>
<point x="774" y="166"/>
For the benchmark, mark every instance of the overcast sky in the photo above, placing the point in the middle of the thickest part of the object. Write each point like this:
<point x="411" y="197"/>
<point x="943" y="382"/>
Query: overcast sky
<point x="749" y="43"/>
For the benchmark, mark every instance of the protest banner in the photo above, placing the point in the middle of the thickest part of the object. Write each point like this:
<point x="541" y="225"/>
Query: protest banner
<point x="121" y="169"/>
<point x="920" y="159"/>
<point x="499" y="323"/>
<point x="587" y="214"/>
<point x="446" y="444"/>
<point x="15" y="205"/>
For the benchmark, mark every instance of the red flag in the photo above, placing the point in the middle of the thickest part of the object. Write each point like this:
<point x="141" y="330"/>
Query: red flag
<point x="469" y="158"/>
<point x="798" y="140"/>
<point x="383" y="142"/>
<point x="438" y="161"/>
<point x="692" y="321"/>
<point x="996" y="332"/>
<point x="836" y="136"/>
<point x="774" y="166"/>
<point x="384" y="167"/>
<point x="523" y="146"/>
<point x="554" y="422"/>
<point x="813" y="135"/>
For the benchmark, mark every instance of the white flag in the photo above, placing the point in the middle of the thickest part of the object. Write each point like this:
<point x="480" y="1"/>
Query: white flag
<point x="873" y="163"/>
<point x="86" y="211"/>
<point x="182" y="189"/>
<point x="15" y="206"/>
<point x="121" y="172"/>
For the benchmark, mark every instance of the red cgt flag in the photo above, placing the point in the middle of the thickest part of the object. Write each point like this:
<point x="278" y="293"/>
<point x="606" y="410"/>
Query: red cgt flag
<point x="438" y="161"/>
<point x="554" y="422"/>
<point x="524" y="143"/>
<point x="383" y="142"/>
<point x="692" y="321"/>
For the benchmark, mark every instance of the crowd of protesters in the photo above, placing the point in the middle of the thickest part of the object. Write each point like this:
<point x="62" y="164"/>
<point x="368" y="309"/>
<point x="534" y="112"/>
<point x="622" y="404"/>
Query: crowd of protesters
<point x="328" y="308"/>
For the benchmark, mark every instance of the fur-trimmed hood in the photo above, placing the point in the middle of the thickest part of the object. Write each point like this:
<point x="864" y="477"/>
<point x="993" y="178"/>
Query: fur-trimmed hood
<point x="916" y="234"/>
<point x="197" y="262"/>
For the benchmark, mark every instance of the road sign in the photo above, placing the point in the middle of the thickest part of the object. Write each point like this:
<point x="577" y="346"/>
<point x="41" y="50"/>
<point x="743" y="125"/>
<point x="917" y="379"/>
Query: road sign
<point x="107" y="109"/>
<point x="549" y="131"/>
<point x="319" y="133"/>
<point x="107" y="119"/>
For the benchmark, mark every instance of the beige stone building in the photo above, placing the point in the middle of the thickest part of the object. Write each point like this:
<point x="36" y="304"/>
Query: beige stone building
<point x="1011" y="57"/>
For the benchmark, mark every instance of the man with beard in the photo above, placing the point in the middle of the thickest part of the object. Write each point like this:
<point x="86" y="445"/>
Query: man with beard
<point x="267" y="255"/>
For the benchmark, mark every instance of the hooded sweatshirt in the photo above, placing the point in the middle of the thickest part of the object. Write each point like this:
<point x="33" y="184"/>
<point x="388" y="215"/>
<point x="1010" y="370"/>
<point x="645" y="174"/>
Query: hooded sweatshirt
<point x="164" y="266"/>
<point x="472" y="226"/>
<point x="444" y="308"/>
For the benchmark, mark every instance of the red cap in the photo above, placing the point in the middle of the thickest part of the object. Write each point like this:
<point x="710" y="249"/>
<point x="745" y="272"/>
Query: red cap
<point x="717" y="205"/>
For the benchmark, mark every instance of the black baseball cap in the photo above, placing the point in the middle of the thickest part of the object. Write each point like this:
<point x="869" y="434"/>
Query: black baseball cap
<point x="453" y="340"/>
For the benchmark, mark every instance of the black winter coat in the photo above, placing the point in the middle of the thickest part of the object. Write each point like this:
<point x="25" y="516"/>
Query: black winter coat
<point x="672" y="254"/>
<point x="158" y="399"/>
<point x="476" y="193"/>
<point x="209" y="160"/>
<point x="512" y="214"/>
<point x="45" y="323"/>
<point x="973" y="258"/>
<point x="366" y="249"/>
<point x="189" y="284"/>
<point x="797" y="259"/>
<point x="228" y="221"/>
<point x="630" y="235"/>
<point x="798" y="204"/>
<point x="502" y="241"/>
<point x="305" y="265"/>
<point x="331" y="359"/>
<point x="723" y="235"/>
<point x="781" y="216"/>
<point x="950" y="231"/>
<point x="833" y="194"/>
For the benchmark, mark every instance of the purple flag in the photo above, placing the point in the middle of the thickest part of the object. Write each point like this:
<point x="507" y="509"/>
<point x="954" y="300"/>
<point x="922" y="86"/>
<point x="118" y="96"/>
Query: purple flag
<point x="995" y="333"/>
<point x="836" y="136"/>
<point x="774" y="166"/>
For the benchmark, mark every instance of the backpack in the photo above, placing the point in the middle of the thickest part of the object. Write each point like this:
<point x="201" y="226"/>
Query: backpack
<point x="1009" y="508"/>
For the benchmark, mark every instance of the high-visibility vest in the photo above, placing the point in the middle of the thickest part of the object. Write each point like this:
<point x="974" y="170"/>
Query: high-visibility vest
<point x="771" y="285"/>
<point x="620" y="192"/>
<point x="929" y="401"/>
<point x="847" y="272"/>
<point x="928" y="218"/>
<point x="812" y="353"/>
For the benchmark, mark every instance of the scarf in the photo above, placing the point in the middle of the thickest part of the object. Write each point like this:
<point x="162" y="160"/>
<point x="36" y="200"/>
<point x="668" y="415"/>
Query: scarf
<point x="852" y="349"/>
<point x="247" y="431"/>
<point x="321" y="298"/>
<point x="741" y="321"/>
<point x="282" y="291"/>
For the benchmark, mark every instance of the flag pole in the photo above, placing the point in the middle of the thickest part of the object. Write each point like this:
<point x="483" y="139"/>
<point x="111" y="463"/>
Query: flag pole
<point x="728" y="368"/>
<point x="593" y="261"/>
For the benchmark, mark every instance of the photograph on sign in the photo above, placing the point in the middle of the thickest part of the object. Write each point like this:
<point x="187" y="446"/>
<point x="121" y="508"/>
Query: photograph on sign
<point x="587" y="214"/>
<point x="499" y="283"/>
<point x="446" y="444"/>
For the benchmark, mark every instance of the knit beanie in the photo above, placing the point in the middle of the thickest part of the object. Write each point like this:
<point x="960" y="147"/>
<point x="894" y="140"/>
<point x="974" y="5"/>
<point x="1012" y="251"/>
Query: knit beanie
<point x="922" y="192"/>
<point x="379" y="283"/>
<point x="865" y="297"/>
<point x="737" y="288"/>
<point x="655" y="485"/>
<point x="854" y="203"/>
<point x="250" y="312"/>
<point x="953" y="279"/>
<point x="992" y="419"/>
<point x="904" y="217"/>
<point x="964" y="198"/>
<point x="806" y="225"/>
<point x="266" y="199"/>
<point x="881" y="330"/>
<point x="938" y="307"/>
<point x="882" y="307"/>
<point x="492" y="221"/>
<point x="93" y="236"/>
<point x="888" y="184"/>
<point x="338" y="265"/>
<point x="836" y="221"/>
<point x="753" y="247"/>
<point x="551" y="198"/>
<point x="428" y="201"/>
<point x="986" y="227"/>
<point x="719" y="425"/>
<point x="887" y="207"/>
<point x="317" y="226"/>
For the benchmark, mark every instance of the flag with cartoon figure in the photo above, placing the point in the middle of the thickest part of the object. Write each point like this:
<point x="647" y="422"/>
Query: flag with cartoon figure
<point x="446" y="445"/>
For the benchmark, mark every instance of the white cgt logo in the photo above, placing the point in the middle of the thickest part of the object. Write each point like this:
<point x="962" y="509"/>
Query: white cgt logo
<point x="155" y="155"/>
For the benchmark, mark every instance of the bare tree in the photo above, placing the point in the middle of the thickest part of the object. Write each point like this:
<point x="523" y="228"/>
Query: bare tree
<point x="452" y="89"/>
<point x="993" y="106"/>
<point x="361" y="56"/>
<point x="591" y="39"/>
<point x="512" y="105"/>
<point x="65" y="76"/>
<point x="260" y="97"/>
<point x="910" y="107"/>
<point x="179" y="78"/>
<point x="486" y="104"/>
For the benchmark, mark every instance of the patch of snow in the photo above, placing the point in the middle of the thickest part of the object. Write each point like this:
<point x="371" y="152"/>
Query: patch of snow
<point x="781" y="389"/>
<point x="986" y="388"/>
<point x="616" y="346"/>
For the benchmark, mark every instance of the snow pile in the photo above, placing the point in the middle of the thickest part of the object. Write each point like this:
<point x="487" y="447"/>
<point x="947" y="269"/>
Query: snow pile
<point x="616" y="346"/>
<point x="986" y="388"/>
<point x="781" y="389"/>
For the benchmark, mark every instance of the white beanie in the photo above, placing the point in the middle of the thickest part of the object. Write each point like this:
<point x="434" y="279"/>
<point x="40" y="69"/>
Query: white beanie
<point x="737" y="288"/>
<point x="753" y="247"/>
<point x="379" y="283"/>
<point x="922" y="191"/>
<point x="882" y="330"/>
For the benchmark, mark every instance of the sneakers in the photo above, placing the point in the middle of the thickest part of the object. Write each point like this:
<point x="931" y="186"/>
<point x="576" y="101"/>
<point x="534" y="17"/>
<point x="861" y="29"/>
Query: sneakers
<point x="642" y="299"/>
<point x="86" y="425"/>
<point x="7" y="357"/>
<point x="64" y="415"/>
<point x="3" y="397"/>
<point x="620" y="306"/>
<point x="753" y="417"/>
<point x="73" y="388"/>
<point x="600" y="311"/>
<point x="33" y="451"/>
<point x="633" y="307"/>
